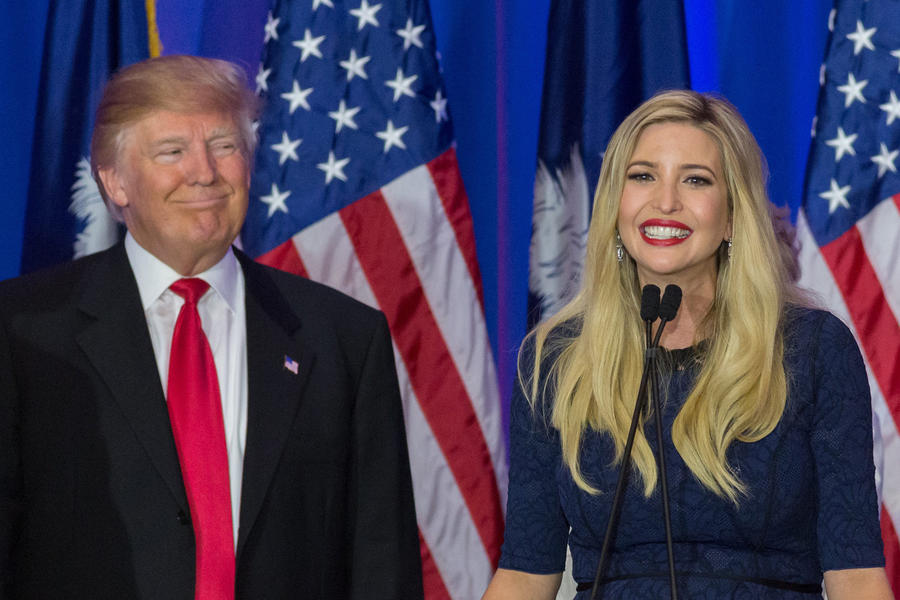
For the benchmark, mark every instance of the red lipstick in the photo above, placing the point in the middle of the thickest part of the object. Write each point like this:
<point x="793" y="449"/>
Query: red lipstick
<point x="664" y="232"/>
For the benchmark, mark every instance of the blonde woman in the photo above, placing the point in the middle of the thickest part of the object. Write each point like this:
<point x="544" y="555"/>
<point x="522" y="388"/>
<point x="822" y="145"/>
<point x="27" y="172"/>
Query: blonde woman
<point x="766" y="413"/>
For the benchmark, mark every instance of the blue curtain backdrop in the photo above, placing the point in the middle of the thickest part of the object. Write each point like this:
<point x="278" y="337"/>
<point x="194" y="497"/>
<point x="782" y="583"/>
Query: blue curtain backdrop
<point x="764" y="56"/>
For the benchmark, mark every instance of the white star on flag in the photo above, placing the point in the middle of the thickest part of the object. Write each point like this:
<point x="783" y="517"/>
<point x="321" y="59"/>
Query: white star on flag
<point x="401" y="85"/>
<point x="275" y="200"/>
<point x="334" y="168"/>
<point x="836" y="196"/>
<point x="261" y="79"/>
<point x="892" y="108"/>
<point x="365" y="14"/>
<point x="392" y="137"/>
<point x="287" y="148"/>
<point x="297" y="97"/>
<point x="271" y="28"/>
<point x="355" y="65"/>
<point x="842" y="144"/>
<point x="309" y="45"/>
<point x="411" y="35"/>
<point x="439" y="105"/>
<point x="327" y="3"/>
<point x="344" y="116"/>
<point x="885" y="161"/>
<point x="852" y="90"/>
<point x="862" y="38"/>
<point x="896" y="54"/>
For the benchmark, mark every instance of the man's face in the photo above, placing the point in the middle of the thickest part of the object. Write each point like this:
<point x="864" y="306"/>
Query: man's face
<point x="181" y="182"/>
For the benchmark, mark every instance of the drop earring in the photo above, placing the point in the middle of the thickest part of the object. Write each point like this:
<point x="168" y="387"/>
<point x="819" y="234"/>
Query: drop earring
<point x="620" y="249"/>
<point x="730" y="248"/>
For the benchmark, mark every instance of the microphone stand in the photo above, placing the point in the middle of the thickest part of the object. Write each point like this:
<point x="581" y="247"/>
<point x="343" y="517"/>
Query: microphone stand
<point x="613" y="523"/>
<point x="661" y="458"/>
<point x="649" y="313"/>
<point x="650" y="309"/>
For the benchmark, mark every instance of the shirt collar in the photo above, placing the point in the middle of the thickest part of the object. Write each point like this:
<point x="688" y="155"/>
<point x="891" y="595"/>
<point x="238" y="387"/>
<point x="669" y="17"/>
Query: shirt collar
<point x="154" y="276"/>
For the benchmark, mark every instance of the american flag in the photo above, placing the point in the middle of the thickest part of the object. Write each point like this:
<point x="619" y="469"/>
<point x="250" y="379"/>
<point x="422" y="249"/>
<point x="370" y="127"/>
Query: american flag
<point x="849" y="224"/>
<point x="356" y="185"/>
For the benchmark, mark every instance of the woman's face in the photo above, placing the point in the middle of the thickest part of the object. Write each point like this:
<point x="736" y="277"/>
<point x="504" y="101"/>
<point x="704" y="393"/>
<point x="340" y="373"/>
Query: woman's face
<point x="673" y="214"/>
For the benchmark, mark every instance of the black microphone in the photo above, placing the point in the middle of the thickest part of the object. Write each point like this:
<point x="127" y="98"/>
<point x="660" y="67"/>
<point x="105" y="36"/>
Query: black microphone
<point x="649" y="310"/>
<point x="650" y="303"/>
<point x="671" y="300"/>
<point x="668" y="308"/>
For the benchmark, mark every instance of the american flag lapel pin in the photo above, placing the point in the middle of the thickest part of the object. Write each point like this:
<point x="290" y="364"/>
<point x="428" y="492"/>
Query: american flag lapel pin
<point x="291" y="365"/>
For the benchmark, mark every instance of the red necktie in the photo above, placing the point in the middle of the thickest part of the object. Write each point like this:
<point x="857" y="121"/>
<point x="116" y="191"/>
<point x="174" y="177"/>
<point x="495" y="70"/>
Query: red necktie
<point x="195" y="411"/>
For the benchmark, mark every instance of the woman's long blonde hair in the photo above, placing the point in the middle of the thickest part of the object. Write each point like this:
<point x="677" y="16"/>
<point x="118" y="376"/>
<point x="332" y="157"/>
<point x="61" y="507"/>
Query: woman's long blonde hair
<point x="741" y="388"/>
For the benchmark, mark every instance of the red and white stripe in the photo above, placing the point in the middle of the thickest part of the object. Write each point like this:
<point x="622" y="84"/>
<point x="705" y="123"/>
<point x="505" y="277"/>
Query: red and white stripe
<point x="857" y="277"/>
<point x="408" y="250"/>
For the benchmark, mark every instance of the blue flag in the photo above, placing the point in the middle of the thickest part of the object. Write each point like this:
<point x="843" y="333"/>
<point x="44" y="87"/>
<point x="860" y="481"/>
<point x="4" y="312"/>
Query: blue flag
<point x="604" y="58"/>
<point x="85" y="41"/>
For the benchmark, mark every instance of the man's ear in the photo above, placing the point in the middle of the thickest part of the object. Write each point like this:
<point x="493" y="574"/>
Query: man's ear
<point x="112" y="183"/>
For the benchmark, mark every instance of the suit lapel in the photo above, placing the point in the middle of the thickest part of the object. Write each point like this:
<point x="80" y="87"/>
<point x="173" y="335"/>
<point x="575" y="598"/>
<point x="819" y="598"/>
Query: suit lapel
<point x="274" y="390"/>
<point x="117" y="344"/>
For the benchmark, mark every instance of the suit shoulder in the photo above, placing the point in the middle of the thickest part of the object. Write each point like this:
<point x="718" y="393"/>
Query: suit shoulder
<point x="46" y="287"/>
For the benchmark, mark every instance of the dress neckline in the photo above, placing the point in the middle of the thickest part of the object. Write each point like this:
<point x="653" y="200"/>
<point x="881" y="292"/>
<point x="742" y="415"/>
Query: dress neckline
<point x="680" y="359"/>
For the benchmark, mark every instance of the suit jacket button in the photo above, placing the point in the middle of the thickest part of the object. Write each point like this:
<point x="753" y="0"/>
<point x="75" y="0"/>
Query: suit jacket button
<point x="183" y="518"/>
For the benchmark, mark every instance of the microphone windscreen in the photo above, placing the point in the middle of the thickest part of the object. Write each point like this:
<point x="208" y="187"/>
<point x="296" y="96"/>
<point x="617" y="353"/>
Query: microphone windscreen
<point x="650" y="303"/>
<point x="671" y="300"/>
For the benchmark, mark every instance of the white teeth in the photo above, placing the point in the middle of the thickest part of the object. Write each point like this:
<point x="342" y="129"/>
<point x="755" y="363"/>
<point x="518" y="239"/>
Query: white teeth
<point x="658" y="232"/>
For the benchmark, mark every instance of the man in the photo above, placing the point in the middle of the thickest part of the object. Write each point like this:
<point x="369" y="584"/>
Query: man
<point x="177" y="421"/>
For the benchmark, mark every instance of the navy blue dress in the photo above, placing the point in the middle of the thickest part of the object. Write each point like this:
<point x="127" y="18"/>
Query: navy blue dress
<point x="811" y="505"/>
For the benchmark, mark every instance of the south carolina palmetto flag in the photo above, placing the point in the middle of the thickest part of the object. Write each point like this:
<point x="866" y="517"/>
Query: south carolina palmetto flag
<point x="84" y="43"/>
<point x="849" y="224"/>
<point x="604" y="57"/>
<point x="356" y="185"/>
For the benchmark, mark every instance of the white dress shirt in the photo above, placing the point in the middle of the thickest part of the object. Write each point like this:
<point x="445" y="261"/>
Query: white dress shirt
<point x="224" y="322"/>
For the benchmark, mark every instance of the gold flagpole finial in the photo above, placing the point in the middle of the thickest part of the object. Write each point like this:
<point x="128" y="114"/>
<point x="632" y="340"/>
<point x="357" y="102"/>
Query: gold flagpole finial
<point x="154" y="44"/>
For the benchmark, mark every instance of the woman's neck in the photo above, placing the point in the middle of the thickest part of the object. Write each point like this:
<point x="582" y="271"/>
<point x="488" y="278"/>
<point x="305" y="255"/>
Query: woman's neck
<point x="686" y="328"/>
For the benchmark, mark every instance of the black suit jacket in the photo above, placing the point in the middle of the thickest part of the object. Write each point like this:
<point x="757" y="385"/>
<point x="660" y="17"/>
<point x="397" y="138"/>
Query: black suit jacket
<point x="92" y="503"/>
